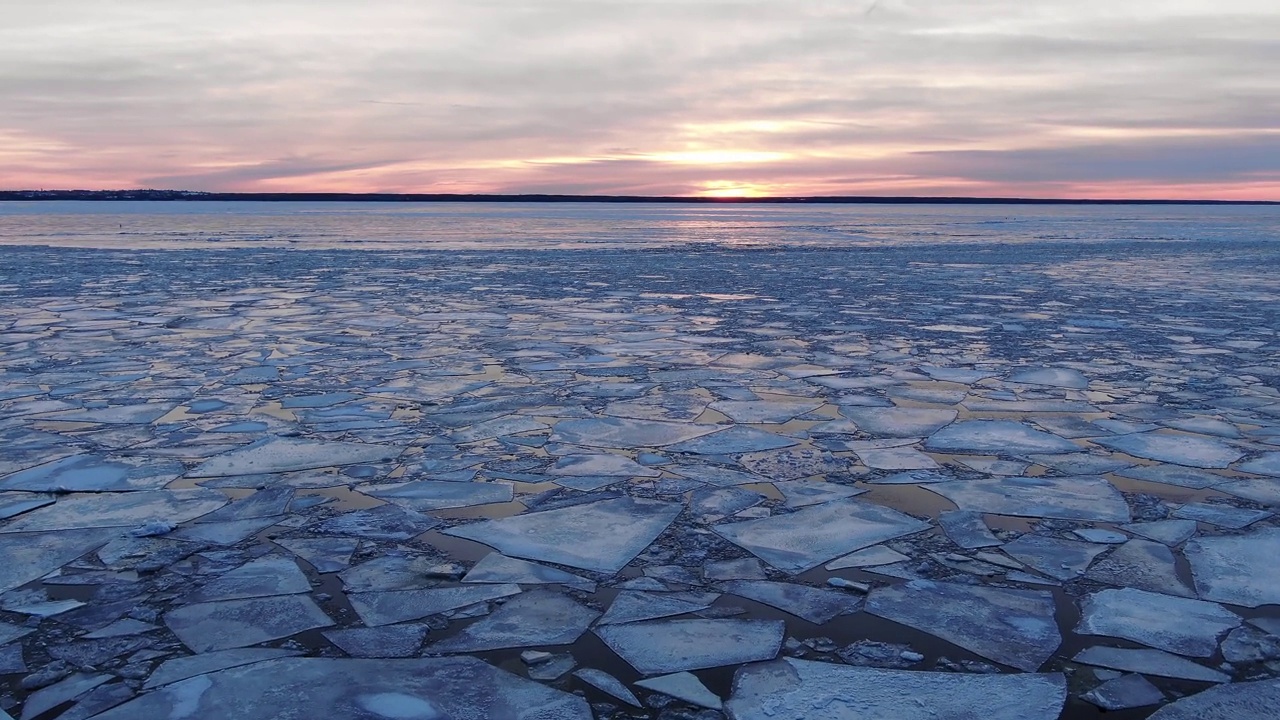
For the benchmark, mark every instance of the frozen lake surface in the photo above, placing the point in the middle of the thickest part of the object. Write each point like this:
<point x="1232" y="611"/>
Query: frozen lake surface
<point x="669" y="462"/>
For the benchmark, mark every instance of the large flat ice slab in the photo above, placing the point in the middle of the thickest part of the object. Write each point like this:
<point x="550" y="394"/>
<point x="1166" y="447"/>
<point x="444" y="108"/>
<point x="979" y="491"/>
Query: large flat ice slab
<point x="804" y="539"/>
<point x="791" y="689"/>
<point x="94" y="473"/>
<point x="1002" y="437"/>
<point x="536" y="618"/>
<point x="1149" y="662"/>
<point x="289" y="454"/>
<point x="118" y="510"/>
<point x="1179" y="449"/>
<point x="31" y="556"/>
<point x="426" y="495"/>
<point x="1237" y="569"/>
<point x="612" y="432"/>
<point x="1011" y="627"/>
<point x="396" y="606"/>
<point x="1238" y="701"/>
<point x="346" y="689"/>
<point x="817" y="605"/>
<point x="1178" y="625"/>
<point x="602" y="536"/>
<point x="667" y="646"/>
<point x="1065" y="498"/>
<point x="240" y="623"/>
<point x="498" y="568"/>
<point x="899" y="422"/>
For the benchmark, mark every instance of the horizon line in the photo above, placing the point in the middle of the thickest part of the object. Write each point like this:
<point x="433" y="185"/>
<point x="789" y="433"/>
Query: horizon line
<point x="154" y="195"/>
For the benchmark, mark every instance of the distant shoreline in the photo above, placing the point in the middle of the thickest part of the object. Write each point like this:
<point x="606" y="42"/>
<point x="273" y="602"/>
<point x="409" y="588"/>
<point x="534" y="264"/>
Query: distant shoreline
<point x="189" y="196"/>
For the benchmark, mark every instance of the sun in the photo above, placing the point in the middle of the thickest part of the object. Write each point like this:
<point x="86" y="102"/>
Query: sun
<point x="732" y="189"/>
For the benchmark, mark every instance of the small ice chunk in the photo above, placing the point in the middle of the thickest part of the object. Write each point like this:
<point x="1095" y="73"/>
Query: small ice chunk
<point x="608" y="684"/>
<point x="967" y="529"/>
<point x="683" y="686"/>
<point x="1123" y="693"/>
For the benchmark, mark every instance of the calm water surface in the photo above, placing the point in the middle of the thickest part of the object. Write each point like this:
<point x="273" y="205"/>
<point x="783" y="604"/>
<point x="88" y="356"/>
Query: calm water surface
<point x="591" y="225"/>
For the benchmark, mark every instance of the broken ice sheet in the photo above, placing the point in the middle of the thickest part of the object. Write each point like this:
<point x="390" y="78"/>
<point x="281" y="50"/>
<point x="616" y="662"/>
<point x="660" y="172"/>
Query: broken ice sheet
<point x="967" y="529"/>
<point x="774" y="412"/>
<point x="804" y="539"/>
<point x="31" y="556"/>
<point x="1054" y="377"/>
<point x="1123" y="693"/>
<point x="608" y="684"/>
<point x="1064" y="498"/>
<point x="1169" y="532"/>
<point x="181" y="668"/>
<point x="532" y="619"/>
<point x="1237" y="569"/>
<point x="393" y="641"/>
<point x="791" y="689"/>
<point x="1055" y="557"/>
<point x="603" y="464"/>
<point x="1141" y="564"/>
<point x="94" y="473"/>
<point x="626" y="433"/>
<point x="1178" y="448"/>
<point x="898" y="421"/>
<point x="667" y="646"/>
<point x="1004" y="437"/>
<point x="816" y="605"/>
<point x="803" y="493"/>
<point x="1178" y="625"/>
<point x="276" y="455"/>
<point x="350" y="689"/>
<point x="240" y="623"/>
<point x="1149" y="662"/>
<point x="262" y="577"/>
<point x="1237" y="701"/>
<point x="634" y="605"/>
<point x="15" y="503"/>
<point x="118" y="510"/>
<point x="868" y="557"/>
<point x="326" y="555"/>
<point x="396" y="606"/>
<point x="498" y="568"/>
<point x="1220" y="515"/>
<point x="1011" y="627"/>
<point x="385" y="522"/>
<point x="733" y="441"/>
<point x="683" y="686"/>
<point x="602" y="536"/>
<point x="427" y="495"/>
<point x="903" y="458"/>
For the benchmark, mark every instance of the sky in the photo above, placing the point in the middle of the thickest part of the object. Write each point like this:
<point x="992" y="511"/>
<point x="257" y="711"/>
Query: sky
<point x="1032" y="98"/>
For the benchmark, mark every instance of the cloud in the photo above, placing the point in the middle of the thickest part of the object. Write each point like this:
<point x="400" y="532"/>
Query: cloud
<point x="434" y="95"/>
